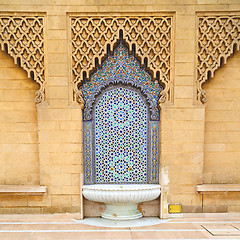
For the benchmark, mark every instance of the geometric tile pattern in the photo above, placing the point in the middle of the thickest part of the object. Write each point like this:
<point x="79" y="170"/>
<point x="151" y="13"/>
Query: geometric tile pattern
<point x="121" y="122"/>
<point x="122" y="65"/>
<point x="120" y="126"/>
<point x="154" y="171"/>
<point x="88" y="164"/>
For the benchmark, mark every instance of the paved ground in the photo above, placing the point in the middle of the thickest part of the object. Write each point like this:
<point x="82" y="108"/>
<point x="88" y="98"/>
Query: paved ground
<point x="66" y="226"/>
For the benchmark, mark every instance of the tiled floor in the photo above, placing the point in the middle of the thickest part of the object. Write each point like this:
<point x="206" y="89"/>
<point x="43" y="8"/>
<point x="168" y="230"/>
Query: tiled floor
<point x="67" y="226"/>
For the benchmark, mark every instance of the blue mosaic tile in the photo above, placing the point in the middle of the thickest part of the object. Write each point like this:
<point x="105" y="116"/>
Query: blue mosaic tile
<point x="120" y="124"/>
<point x="122" y="65"/>
<point x="121" y="127"/>
<point x="154" y="170"/>
<point x="88" y="165"/>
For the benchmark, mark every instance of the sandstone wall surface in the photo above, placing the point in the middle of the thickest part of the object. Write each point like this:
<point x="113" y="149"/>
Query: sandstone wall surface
<point x="198" y="143"/>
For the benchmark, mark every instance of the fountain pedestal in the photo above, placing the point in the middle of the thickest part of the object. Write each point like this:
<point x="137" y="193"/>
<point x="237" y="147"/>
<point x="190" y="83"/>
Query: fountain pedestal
<point x="121" y="200"/>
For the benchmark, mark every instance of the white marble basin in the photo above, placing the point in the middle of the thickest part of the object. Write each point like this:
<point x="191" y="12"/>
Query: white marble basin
<point x="121" y="200"/>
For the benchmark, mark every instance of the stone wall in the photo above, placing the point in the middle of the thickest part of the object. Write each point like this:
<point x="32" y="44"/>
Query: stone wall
<point x="196" y="139"/>
<point x="18" y="125"/>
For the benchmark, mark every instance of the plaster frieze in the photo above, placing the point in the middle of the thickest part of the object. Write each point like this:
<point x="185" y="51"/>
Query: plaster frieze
<point x="149" y="37"/>
<point x="218" y="38"/>
<point x="22" y="37"/>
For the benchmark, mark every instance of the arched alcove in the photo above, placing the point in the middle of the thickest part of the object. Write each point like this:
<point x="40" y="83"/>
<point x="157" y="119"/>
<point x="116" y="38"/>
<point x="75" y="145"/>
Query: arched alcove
<point x="121" y="75"/>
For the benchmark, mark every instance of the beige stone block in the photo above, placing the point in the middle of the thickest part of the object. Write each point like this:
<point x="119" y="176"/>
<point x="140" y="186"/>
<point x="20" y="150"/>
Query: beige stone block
<point x="19" y="137"/>
<point x="13" y="201"/>
<point x="58" y="81"/>
<point x="57" y="22"/>
<point x="183" y="102"/>
<point x="222" y="116"/>
<point x="59" y="148"/>
<point x="57" y="46"/>
<point x="215" y="209"/>
<point x="19" y="107"/>
<point x="234" y="208"/>
<point x="76" y="114"/>
<point x="28" y="148"/>
<point x="196" y="147"/>
<point x="60" y="179"/>
<point x="218" y="137"/>
<point x="19" y="127"/>
<point x="185" y="46"/>
<point x="70" y="190"/>
<point x="70" y="169"/>
<point x="185" y="57"/>
<point x="185" y="34"/>
<point x="186" y="21"/>
<point x="18" y="116"/>
<point x="71" y="126"/>
<point x="232" y="147"/>
<point x="176" y="190"/>
<point x="76" y="200"/>
<point x="61" y="200"/>
<point x="20" y="210"/>
<point x="54" y="190"/>
<point x="184" y="69"/>
<point x="182" y="136"/>
<point x="57" y="70"/>
<point x="183" y="114"/>
<point x="39" y="201"/>
<point x="10" y="73"/>
<point x="183" y="80"/>
<point x="207" y="2"/>
<point x="143" y="2"/>
<point x="58" y="92"/>
<point x="22" y="95"/>
<point x="198" y="136"/>
<point x="166" y="136"/>
<point x="57" y="34"/>
<point x="50" y="169"/>
<point x="183" y="92"/>
<point x="59" y="58"/>
<point x="75" y="179"/>
<point x="199" y="114"/>
<point x="94" y="209"/>
<point x="46" y="125"/>
<point x="58" y="103"/>
<point x="215" y="147"/>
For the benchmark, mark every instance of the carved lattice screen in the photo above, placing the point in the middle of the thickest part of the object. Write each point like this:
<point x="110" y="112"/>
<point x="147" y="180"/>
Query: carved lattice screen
<point x="218" y="38"/>
<point x="151" y="36"/>
<point x="23" y="39"/>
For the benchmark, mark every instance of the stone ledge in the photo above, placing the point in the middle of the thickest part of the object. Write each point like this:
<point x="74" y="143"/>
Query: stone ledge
<point x="209" y="188"/>
<point x="29" y="190"/>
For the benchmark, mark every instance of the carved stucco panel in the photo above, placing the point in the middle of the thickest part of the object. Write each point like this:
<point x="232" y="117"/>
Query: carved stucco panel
<point x="151" y="36"/>
<point x="218" y="38"/>
<point x="22" y="37"/>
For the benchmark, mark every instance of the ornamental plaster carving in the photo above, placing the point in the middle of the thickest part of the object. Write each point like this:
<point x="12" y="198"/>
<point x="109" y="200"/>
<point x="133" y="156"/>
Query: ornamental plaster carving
<point x="150" y="36"/>
<point x="23" y="39"/>
<point x="218" y="38"/>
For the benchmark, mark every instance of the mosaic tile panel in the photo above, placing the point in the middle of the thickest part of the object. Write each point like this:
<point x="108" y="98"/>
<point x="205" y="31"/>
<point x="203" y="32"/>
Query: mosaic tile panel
<point x="121" y="127"/>
<point x="122" y="65"/>
<point x="120" y="124"/>
<point x="88" y="166"/>
<point x="154" y="171"/>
